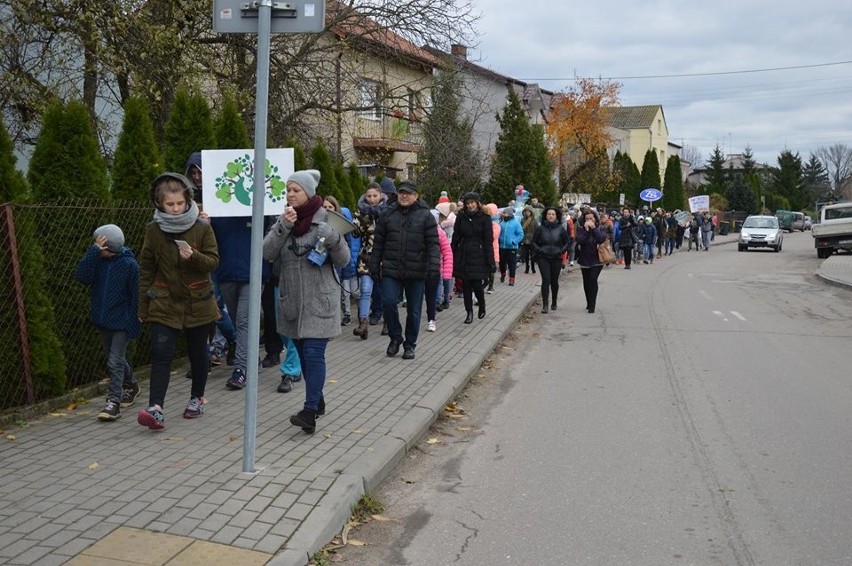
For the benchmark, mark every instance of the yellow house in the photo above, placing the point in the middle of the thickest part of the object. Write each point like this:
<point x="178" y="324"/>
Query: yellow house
<point x="635" y="129"/>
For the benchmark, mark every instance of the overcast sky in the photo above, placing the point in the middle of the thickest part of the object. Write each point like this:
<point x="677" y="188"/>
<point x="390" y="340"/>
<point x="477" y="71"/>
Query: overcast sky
<point x="802" y="109"/>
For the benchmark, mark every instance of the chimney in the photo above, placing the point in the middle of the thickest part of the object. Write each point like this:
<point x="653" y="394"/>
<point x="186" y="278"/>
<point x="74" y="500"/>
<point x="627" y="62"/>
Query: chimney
<point x="459" y="51"/>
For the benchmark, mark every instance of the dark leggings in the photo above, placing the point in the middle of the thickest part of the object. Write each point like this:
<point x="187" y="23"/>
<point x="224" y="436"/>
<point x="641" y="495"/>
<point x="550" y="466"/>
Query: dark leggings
<point x="163" y="341"/>
<point x="590" y="284"/>
<point x="472" y="287"/>
<point x="526" y="258"/>
<point x="628" y="256"/>
<point x="549" y="270"/>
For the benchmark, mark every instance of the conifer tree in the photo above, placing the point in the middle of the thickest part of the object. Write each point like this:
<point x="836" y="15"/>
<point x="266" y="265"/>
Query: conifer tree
<point x="13" y="185"/>
<point x="300" y="162"/>
<point x="717" y="177"/>
<point x="673" y="198"/>
<point x="322" y="162"/>
<point x="343" y="186"/>
<point x="651" y="171"/>
<point x="740" y="196"/>
<point x="449" y="161"/>
<point x="66" y="161"/>
<point x="356" y="182"/>
<point x="228" y="127"/>
<point x="628" y="178"/>
<point x="137" y="161"/>
<point x="519" y="158"/>
<point x="188" y="129"/>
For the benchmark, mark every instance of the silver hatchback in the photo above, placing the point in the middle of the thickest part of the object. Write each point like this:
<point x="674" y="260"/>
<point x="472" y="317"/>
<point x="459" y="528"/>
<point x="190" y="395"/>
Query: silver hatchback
<point x="760" y="232"/>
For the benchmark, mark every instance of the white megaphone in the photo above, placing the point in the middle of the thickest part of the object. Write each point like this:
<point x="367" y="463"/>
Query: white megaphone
<point x="339" y="222"/>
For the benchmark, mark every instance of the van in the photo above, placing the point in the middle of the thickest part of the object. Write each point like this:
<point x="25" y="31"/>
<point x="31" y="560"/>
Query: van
<point x="789" y="220"/>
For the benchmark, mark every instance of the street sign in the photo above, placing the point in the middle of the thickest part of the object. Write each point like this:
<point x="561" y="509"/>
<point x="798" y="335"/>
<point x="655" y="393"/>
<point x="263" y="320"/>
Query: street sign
<point x="651" y="195"/>
<point x="293" y="16"/>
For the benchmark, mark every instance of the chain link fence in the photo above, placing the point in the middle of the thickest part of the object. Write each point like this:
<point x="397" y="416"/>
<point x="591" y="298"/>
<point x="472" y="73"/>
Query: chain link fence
<point x="52" y="348"/>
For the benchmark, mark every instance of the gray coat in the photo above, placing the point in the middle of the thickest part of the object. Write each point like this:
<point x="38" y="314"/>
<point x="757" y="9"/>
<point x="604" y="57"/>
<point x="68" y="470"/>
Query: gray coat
<point x="308" y="295"/>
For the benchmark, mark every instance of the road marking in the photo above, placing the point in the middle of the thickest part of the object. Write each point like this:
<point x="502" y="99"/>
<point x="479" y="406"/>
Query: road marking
<point x="738" y="315"/>
<point x="721" y="315"/>
<point x="705" y="295"/>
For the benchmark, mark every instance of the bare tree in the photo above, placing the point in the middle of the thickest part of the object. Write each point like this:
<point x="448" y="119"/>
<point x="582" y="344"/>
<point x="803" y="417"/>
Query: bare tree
<point x="692" y="155"/>
<point x="105" y="52"/>
<point x="837" y="160"/>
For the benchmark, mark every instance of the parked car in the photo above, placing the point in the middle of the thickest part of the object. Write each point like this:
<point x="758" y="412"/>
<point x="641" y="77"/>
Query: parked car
<point x="760" y="232"/>
<point x="790" y="220"/>
<point x="808" y="222"/>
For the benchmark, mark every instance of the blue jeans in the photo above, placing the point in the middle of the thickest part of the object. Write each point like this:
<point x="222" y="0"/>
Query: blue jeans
<point x="366" y="293"/>
<point x="224" y="326"/>
<point x="649" y="252"/>
<point x="391" y="291"/>
<point x="120" y="374"/>
<point x="670" y="245"/>
<point x="312" y="353"/>
<point x="377" y="307"/>
<point x="445" y="290"/>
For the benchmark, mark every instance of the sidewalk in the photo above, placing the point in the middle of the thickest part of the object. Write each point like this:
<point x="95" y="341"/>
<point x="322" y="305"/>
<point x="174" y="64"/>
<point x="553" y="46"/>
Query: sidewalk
<point x="79" y="491"/>
<point x="836" y="270"/>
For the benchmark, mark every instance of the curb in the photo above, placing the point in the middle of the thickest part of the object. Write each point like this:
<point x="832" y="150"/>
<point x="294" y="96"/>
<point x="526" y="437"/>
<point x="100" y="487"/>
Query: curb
<point x="372" y="467"/>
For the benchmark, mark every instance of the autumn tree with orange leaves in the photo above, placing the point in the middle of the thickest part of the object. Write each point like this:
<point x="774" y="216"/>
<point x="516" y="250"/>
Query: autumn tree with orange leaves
<point x="577" y="130"/>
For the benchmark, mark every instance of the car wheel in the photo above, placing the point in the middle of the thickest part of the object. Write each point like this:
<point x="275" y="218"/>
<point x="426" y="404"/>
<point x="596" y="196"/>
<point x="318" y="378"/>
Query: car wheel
<point x="741" y="248"/>
<point x="777" y="248"/>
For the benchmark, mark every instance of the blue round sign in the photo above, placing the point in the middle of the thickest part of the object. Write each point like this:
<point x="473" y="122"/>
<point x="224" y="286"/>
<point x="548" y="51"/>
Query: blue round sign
<point x="651" y="195"/>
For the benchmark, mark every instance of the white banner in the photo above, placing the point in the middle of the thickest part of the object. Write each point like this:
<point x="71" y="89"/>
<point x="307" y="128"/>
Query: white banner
<point x="701" y="203"/>
<point x="228" y="181"/>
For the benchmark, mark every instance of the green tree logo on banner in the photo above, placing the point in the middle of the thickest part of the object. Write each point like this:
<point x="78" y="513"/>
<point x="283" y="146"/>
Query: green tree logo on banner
<point x="237" y="181"/>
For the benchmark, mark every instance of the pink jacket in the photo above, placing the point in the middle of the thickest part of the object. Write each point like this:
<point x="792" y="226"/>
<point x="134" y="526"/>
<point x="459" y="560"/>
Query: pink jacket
<point x="446" y="255"/>
<point x="491" y="210"/>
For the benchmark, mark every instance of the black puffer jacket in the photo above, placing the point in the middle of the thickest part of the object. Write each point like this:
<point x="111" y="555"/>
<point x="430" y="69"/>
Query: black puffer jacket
<point x="405" y="243"/>
<point x="473" y="246"/>
<point x="625" y="231"/>
<point x="550" y="240"/>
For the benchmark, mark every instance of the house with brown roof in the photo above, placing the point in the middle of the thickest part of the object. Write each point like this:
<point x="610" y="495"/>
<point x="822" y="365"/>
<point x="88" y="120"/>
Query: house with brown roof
<point x="635" y="129"/>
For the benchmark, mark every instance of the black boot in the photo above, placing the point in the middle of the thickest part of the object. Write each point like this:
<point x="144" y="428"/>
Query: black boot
<point x="481" y="313"/>
<point x="469" y="318"/>
<point x="321" y="407"/>
<point x="306" y="419"/>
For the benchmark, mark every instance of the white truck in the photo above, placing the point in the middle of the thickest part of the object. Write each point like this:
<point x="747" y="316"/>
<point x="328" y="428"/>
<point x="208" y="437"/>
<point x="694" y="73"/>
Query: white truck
<point x="833" y="232"/>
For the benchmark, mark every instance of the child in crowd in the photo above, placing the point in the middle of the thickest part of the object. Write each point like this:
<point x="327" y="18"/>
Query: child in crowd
<point x="111" y="273"/>
<point x="176" y="292"/>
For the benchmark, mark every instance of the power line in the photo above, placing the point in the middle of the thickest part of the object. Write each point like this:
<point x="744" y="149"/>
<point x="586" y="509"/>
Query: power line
<point x="683" y="75"/>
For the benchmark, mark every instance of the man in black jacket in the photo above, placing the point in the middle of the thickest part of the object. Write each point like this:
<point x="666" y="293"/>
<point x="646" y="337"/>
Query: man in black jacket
<point x="405" y="252"/>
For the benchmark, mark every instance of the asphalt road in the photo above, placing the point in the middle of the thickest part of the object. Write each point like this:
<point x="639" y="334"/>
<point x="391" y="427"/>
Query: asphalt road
<point x="701" y="416"/>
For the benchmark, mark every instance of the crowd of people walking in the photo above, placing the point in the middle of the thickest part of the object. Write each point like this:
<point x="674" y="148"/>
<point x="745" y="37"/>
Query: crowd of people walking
<point x="192" y="276"/>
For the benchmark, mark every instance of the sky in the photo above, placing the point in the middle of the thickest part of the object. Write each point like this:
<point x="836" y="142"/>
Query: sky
<point x="804" y="105"/>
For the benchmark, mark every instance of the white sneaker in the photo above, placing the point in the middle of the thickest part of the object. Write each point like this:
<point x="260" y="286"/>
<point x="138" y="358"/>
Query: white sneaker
<point x="571" y="263"/>
<point x="431" y="327"/>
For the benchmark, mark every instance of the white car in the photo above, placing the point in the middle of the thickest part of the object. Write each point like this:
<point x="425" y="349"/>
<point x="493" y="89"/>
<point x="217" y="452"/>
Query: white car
<point x="760" y="232"/>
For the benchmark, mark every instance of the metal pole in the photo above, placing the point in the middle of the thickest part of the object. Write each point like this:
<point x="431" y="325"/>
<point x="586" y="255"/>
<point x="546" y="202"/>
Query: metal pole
<point x="264" y="27"/>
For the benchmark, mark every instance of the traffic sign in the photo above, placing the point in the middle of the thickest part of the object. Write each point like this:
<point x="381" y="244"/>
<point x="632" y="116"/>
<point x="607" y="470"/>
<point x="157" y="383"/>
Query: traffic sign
<point x="293" y="16"/>
<point x="651" y="195"/>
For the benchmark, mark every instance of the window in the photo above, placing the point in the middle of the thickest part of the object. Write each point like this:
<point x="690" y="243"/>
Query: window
<point x="370" y="97"/>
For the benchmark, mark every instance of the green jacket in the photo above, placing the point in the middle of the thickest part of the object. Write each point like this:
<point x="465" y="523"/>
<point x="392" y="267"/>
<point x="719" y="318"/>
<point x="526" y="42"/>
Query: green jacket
<point x="174" y="292"/>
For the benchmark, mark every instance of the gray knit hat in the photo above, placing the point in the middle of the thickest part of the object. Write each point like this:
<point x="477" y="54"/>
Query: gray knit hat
<point x="114" y="237"/>
<point x="308" y="179"/>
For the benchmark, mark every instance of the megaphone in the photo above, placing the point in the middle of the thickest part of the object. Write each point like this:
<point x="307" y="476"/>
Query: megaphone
<point x="339" y="222"/>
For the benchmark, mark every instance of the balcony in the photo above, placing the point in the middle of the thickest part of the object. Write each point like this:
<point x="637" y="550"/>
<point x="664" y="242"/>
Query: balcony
<point x="387" y="132"/>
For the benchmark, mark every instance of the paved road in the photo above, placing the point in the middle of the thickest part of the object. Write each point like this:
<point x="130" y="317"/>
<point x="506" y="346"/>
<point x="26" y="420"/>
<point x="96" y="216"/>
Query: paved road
<point x="75" y="489"/>
<point x="699" y="417"/>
